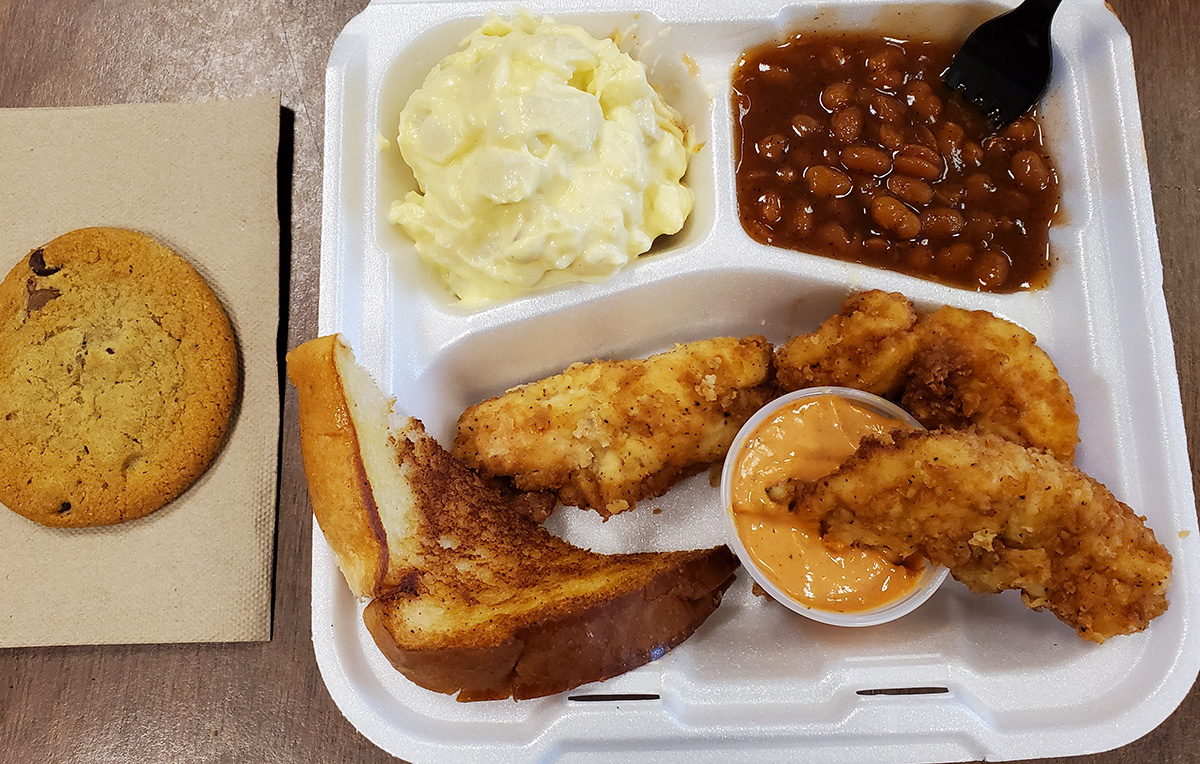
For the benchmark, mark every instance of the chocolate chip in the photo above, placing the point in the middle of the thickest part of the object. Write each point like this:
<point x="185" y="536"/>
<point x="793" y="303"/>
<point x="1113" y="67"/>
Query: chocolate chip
<point x="37" y="263"/>
<point x="66" y="507"/>
<point x="36" y="298"/>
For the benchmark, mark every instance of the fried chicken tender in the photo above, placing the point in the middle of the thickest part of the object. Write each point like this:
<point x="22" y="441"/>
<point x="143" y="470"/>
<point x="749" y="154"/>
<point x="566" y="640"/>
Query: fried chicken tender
<point x="999" y="516"/>
<point x="869" y="346"/>
<point x="607" y="434"/>
<point x="976" y="369"/>
<point x="949" y="368"/>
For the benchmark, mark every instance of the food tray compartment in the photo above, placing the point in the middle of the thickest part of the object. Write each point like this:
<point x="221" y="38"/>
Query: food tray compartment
<point x="965" y="677"/>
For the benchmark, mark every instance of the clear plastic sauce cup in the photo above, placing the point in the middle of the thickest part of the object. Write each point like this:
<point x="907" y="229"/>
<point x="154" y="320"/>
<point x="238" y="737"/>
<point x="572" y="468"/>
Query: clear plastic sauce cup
<point x="810" y="580"/>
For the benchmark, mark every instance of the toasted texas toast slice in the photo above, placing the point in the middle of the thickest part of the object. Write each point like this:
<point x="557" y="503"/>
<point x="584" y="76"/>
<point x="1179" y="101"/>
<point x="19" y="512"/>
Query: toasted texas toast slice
<point x="359" y="498"/>
<point x="477" y="598"/>
<point x="608" y="434"/>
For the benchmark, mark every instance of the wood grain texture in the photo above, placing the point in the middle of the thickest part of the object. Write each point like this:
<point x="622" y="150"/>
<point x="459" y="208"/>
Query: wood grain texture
<point x="266" y="702"/>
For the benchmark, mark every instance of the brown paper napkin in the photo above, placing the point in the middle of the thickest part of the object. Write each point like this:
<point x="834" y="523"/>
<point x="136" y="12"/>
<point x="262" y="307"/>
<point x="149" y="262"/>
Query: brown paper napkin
<point x="201" y="178"/>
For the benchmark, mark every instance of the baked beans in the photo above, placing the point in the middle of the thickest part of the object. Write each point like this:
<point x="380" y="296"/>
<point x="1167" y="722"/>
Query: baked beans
<point x="855" y="149"/>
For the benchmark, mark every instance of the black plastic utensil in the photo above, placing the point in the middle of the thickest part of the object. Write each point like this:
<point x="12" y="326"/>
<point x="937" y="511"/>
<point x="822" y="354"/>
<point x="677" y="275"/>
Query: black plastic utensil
<point x="1004" y="66"/>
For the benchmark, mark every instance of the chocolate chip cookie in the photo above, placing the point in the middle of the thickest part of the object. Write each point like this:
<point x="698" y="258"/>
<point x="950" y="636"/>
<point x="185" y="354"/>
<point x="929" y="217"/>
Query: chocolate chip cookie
<point x="118" y="375"/>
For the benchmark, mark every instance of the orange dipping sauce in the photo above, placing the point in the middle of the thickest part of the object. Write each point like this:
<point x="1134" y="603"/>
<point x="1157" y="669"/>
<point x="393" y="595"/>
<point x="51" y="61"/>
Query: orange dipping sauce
<point x="808" y="439"/>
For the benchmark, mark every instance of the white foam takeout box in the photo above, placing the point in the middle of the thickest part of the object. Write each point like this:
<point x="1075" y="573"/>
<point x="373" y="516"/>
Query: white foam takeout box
<point x="966" y="676"/>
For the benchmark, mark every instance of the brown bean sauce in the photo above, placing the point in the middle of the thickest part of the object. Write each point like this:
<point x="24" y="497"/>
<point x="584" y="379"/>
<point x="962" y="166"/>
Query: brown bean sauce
<point x="850" y="146"/>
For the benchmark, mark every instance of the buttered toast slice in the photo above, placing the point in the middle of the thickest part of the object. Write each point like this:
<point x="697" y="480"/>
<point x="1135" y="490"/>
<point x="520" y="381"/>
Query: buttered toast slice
<point x="472" y="596"/>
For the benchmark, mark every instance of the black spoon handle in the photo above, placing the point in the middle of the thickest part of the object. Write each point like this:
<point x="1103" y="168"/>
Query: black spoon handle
<point x="1042" y="8"/>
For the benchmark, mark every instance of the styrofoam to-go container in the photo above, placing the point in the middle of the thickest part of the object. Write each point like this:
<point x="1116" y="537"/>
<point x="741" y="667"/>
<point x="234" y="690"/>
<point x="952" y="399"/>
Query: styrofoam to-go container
<point x="932" y="576"/>
<point x="964" y="677"/>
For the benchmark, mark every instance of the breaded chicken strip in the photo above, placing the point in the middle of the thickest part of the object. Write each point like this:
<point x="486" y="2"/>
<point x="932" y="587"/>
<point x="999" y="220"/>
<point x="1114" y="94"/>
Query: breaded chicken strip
<point x="999" y="516"/>
<point x="608" y="434"/>
<point x="869" y="346"/>
<point x="973" y="368"/>
<point x="950" y="368"/>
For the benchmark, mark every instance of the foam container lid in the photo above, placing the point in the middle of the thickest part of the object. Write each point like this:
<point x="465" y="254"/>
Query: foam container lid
<point x="966" y="676"/>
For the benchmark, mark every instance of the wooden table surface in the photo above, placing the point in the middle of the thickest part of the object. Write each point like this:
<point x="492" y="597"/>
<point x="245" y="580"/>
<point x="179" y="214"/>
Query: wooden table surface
<point x="266" y="702"/>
